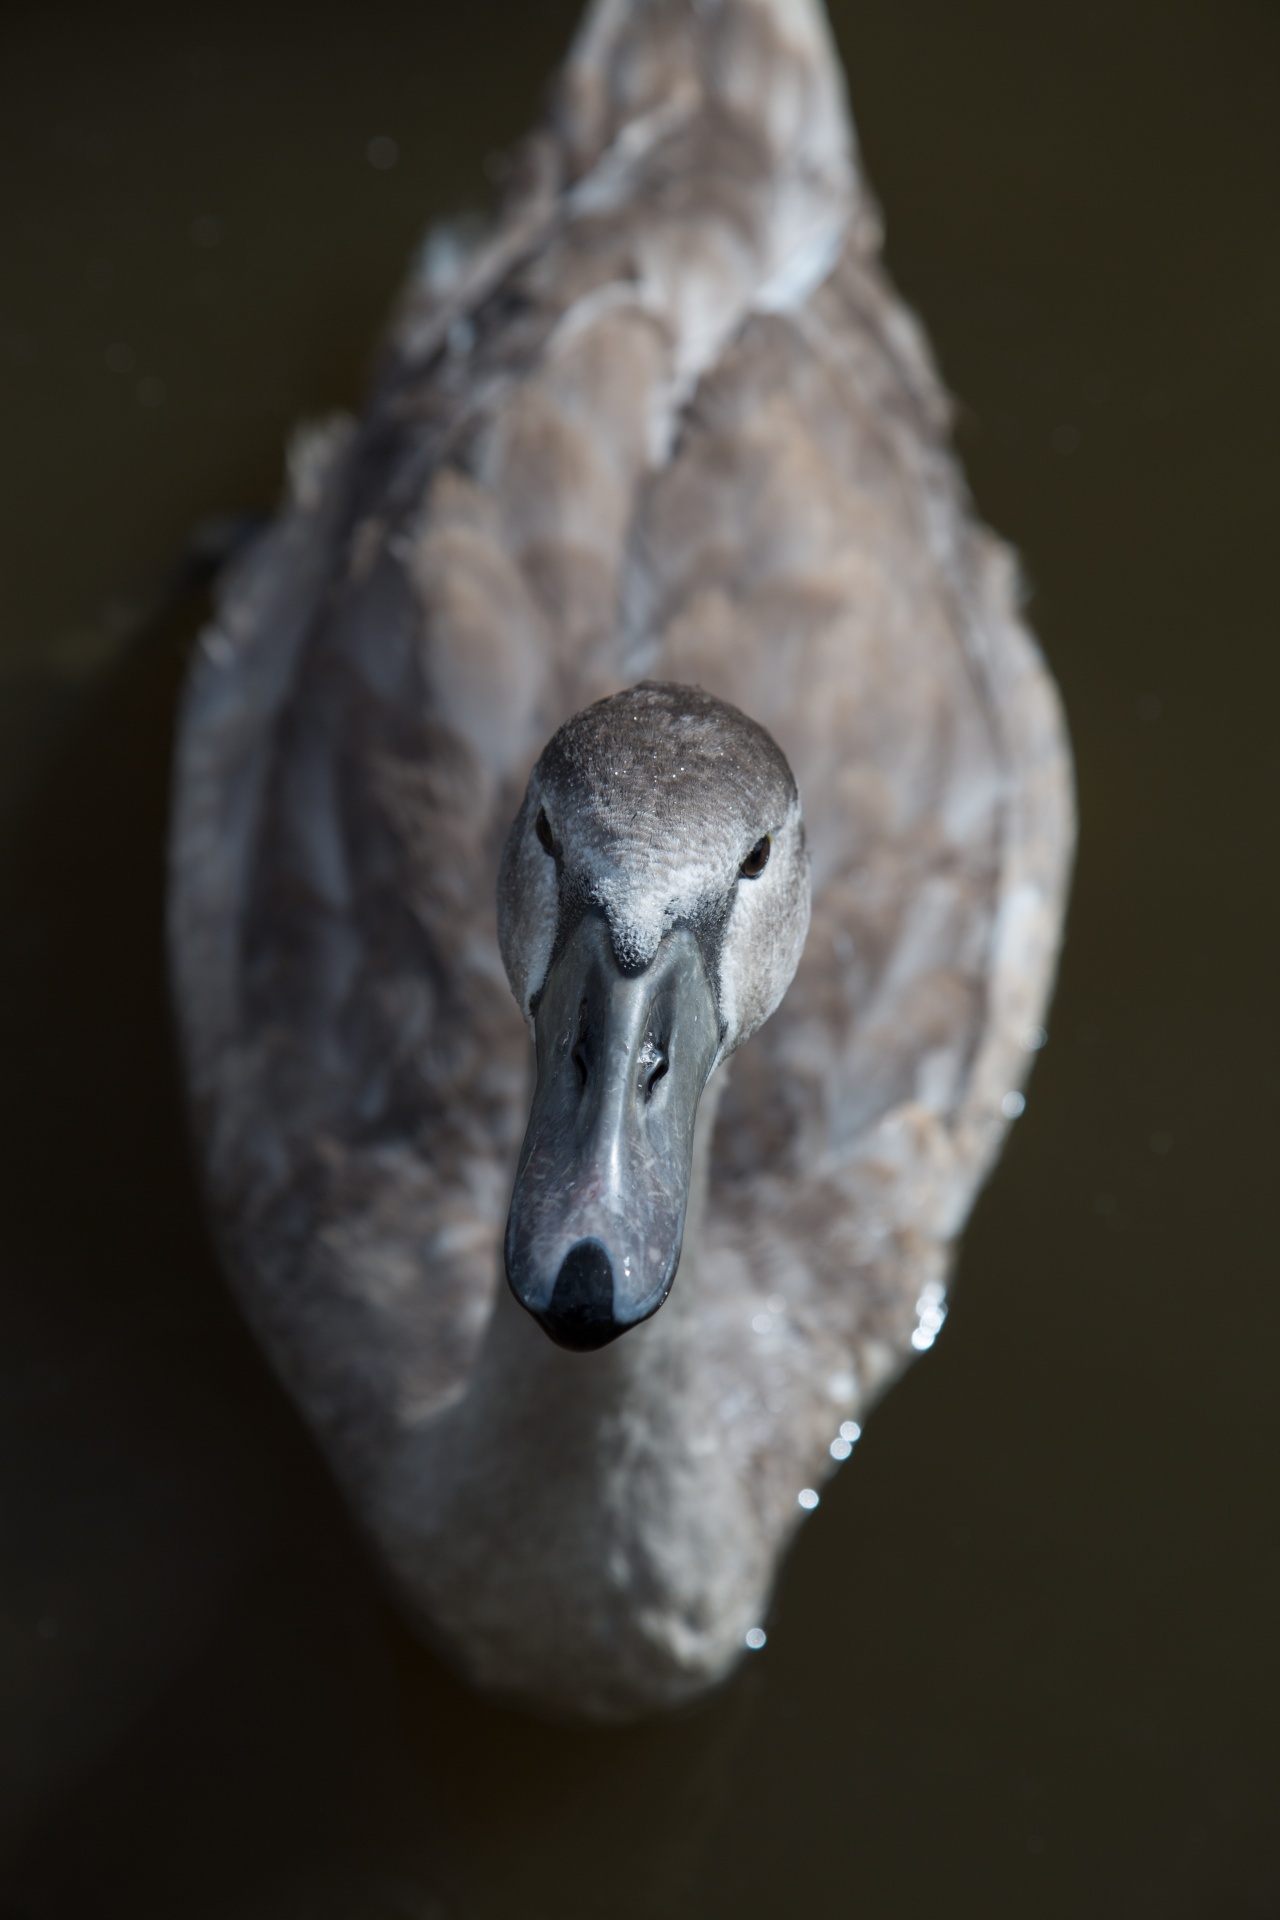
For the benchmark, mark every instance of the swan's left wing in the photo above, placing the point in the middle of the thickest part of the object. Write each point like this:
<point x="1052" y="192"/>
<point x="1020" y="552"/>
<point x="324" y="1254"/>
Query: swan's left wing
<point x="810" y="553"/>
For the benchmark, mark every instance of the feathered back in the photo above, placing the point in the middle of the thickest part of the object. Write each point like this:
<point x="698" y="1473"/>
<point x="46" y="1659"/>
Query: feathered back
<point x="668" y="420"/>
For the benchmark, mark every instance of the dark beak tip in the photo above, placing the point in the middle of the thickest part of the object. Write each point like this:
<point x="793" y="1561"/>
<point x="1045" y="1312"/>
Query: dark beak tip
<point x="580" y="1337"/>
<point x="579" y="1315"/>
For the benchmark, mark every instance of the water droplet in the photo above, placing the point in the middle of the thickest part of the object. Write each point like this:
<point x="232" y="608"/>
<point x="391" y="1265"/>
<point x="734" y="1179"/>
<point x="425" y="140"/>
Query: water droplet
<point x="382" y="152"/>
<point x="923" y="1338"/>
<point x="808" y="1499"/>
<point x="1034" y="1038"/>
<point x="1013" y="1104"/>
<point x="762" y="1323"/>
<point x="850" y="1431"/>
<point x="840" y="1448"/>
<point x="756" y="1638"/>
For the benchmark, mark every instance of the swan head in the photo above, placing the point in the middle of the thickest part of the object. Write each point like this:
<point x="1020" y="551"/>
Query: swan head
<point x="653" y="902"/>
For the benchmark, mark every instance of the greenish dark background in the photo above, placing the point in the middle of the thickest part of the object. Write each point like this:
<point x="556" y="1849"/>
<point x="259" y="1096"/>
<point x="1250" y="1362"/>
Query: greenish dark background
<point x="1024" y="1661"/>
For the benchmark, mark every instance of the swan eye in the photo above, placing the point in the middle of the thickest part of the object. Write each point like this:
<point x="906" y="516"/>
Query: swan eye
<point x="542" y="827"/>
<point x="758" y="858"/>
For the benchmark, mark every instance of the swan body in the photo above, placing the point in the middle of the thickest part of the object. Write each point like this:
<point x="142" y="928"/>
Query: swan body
<point x="664" y="439"/>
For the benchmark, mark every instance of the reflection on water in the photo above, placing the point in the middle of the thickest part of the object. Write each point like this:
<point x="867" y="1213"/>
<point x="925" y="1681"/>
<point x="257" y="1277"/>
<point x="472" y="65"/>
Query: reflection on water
<point x="931" y="1307"/>
<point x="1023" y="1660"/>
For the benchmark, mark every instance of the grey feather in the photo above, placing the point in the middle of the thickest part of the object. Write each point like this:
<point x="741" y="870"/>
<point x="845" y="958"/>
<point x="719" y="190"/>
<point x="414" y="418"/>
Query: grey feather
<point x="667" y="420"/>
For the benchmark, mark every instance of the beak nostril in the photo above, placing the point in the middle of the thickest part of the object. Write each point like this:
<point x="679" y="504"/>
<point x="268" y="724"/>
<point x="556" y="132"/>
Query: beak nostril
<point x="653" y="1063"/>
<point x="581" y="1054"/>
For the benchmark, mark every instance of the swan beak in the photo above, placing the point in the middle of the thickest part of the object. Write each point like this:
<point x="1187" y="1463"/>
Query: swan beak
<point x="597" y="1215"/>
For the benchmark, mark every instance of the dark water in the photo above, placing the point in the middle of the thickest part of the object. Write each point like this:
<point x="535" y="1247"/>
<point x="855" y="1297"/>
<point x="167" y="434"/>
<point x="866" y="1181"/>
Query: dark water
<point x="1024" y="1662"/>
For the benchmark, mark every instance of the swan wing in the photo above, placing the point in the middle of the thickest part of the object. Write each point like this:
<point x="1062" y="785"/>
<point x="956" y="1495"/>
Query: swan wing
<point x="665" y="416"/>
<point x="810" y="553"/>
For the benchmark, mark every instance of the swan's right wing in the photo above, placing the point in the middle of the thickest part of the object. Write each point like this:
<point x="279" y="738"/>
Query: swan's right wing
<point x="451" y="580"/>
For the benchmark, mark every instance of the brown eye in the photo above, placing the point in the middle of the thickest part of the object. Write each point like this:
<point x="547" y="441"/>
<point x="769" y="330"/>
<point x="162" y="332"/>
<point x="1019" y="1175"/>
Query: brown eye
<point x="757" y="860"/>
<point x="542" y="827"/>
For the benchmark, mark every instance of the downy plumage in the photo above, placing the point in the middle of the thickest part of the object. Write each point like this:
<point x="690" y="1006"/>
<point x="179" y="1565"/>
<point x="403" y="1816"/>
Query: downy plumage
<point x="666" y="422"/>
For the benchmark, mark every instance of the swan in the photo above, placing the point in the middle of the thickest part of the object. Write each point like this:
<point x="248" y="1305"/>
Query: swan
<point x="650" y="541"/>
